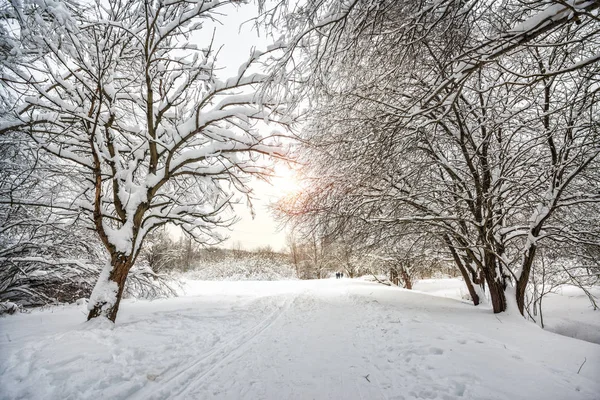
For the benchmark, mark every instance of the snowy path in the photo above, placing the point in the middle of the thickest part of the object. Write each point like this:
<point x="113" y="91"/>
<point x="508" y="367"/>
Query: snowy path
<point x="327" y="339"/>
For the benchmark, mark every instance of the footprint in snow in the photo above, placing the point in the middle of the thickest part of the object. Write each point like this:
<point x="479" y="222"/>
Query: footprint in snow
<point x="459" y="389"/>
<point x="436" y="351"/>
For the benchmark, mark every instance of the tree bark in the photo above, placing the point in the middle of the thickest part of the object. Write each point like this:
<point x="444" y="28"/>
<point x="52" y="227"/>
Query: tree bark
<point x="118" y="274"/>
<point x="406" y="278"/>
<point x="495" y="284"/>
<point x="497" y="295"/>
<point x="524" y="278"/>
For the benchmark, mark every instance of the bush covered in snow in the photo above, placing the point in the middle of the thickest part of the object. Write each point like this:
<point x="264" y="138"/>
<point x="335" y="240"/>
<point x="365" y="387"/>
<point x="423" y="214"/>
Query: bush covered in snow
<point x="41" y="282"/>
<point x="38" y="282"/>
<point x="59" y="263"/>
<point x="250" y="266"/>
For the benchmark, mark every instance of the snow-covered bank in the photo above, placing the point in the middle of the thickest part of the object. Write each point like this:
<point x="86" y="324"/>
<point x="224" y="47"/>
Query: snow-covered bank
<point x="567" y="312"/>
<point x="329" y="339"/>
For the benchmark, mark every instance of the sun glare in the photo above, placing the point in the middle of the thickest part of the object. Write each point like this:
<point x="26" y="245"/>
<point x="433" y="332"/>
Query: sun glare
<point x="285" y="180"/>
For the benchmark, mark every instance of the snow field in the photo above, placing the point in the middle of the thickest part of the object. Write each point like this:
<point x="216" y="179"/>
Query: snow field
<point x="328" y="339"/>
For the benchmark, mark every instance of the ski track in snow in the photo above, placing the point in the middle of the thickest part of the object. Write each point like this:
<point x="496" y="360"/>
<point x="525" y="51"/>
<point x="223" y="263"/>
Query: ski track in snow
<point x="195" y="372"/>
<point x="330" y="339"/>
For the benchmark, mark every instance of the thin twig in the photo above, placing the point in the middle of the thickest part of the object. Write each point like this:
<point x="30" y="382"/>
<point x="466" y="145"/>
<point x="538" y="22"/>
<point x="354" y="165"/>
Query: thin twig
<point x="584" y="360"/>
<point x="377" y="279"/>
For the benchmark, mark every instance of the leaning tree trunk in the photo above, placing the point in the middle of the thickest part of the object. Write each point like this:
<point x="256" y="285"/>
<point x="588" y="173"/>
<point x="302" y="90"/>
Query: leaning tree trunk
<point x="524" y="277"/>
<point x="467" y="279"/>
<point x="120" y="266"/>
<point x="463" y="271"/>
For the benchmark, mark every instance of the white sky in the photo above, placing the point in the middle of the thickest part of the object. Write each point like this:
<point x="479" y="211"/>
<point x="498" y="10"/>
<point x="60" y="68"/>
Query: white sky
<point x="262" y="230"/>
<point x="237" y="42"/>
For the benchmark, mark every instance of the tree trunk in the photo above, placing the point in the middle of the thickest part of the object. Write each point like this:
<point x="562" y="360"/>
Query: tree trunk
<point x="118" y="274"/>
<point x="470" y="287"/>
<point x="495" y="284"/>
<point x="524" y="278"/>
<point x="497" y="296"/>
<point x="394" y="277"/>
<point x="463" y="272"/>
<point x="406" y="278"/>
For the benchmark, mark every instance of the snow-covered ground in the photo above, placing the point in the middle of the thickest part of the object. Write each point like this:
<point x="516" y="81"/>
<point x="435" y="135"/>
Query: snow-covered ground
<point x="329" y="339"/>
<point x="568" y="311"/>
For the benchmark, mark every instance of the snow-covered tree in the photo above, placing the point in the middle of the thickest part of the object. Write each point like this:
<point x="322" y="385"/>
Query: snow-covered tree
<point x="475" y="121"/>
<point x="122" y="93"/>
